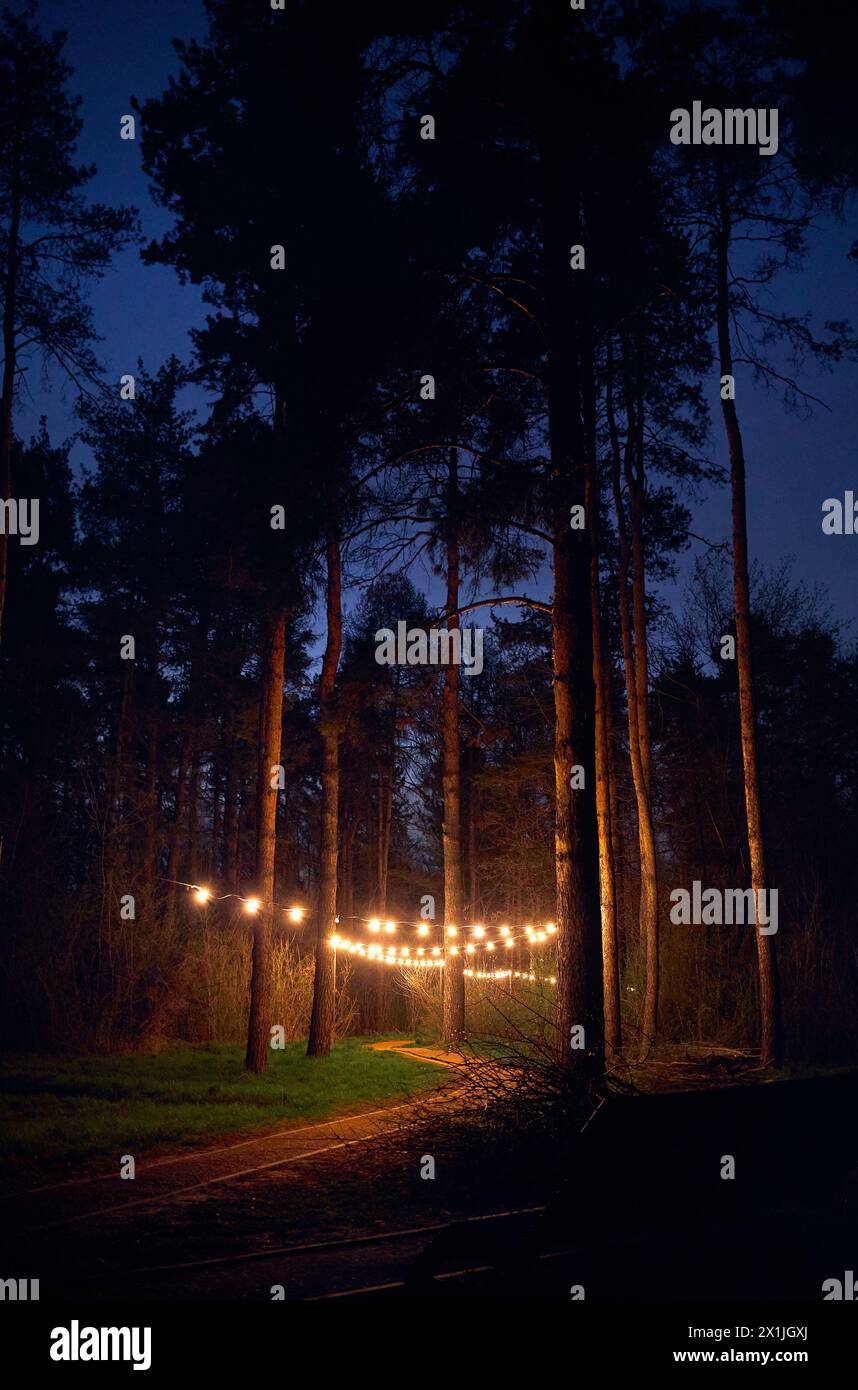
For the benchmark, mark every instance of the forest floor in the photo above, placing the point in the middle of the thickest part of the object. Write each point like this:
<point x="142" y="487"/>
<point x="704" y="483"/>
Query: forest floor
<point x="61" y="1113"/>
<point x="436" y="1197"/>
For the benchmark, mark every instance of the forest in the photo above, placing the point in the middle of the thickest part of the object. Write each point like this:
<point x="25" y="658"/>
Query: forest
<point x="368" y="668"/>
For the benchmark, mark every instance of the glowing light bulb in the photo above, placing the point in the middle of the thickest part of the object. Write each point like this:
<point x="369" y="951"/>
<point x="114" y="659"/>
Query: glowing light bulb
<point x="335" y="941"/>
<point x="490" y="945"/>
<point x="504" y="931"/>
<point x="452" y="931"/>
<point x="202" y="895"/>
<point x="509" y="945"/>
<point x="374" y="924"/>
<point x="550" y="927"/>
<point x="390" y="928"/>
<point x="252" y="905"/>
<point x="423" y="930"/>
<point x="479" y="931"/>
<point x="470" y="949"/>
<point x="454" y="950"/>
<point x="295" y="914"/>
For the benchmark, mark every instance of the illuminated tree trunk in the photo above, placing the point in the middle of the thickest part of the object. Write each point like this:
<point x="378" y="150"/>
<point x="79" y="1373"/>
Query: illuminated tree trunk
<point x="324" y="986"/>
<point x="580" y="1001"/>
<point x="646" y="835"/>
<point x="270" y="728"/>
<point x="771" y="1041"/>
<point x="607" y="883"/>
<point x="453" y="1018"/>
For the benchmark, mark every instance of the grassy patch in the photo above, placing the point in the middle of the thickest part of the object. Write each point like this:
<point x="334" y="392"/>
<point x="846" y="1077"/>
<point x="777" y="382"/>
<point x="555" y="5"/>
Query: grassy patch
<point x="56" y="1110"/>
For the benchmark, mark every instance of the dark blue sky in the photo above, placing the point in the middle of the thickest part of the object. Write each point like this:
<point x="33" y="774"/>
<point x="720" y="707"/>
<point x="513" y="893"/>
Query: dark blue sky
<point x="124" y="49"/>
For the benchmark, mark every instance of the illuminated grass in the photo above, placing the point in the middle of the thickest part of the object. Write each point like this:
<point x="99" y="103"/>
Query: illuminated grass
<point x="56" y="1110"/>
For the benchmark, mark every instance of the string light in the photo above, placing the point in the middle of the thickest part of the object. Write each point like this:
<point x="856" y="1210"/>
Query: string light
<point x="488" y="937"/>
<point x="402" y="958"/>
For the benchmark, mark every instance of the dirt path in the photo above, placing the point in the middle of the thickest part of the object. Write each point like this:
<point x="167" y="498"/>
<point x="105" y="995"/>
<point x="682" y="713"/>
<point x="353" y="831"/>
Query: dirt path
<point x="173" y="1177"/>
<point x="437" y="1056"/>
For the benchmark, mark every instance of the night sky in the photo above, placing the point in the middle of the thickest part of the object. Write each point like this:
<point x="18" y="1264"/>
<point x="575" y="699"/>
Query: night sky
<point x="120" y="48"/>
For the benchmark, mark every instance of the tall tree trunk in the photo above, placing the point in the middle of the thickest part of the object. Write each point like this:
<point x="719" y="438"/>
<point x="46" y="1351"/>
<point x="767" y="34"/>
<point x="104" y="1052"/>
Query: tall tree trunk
<point x="771" y="1038"/>
<point x="579" y="932"/>
<point x="324" y="987"/>
<point x="453" y="989"/>
<point x="607" y="881"/>
<point x="646" y="832"/>
<point x="270" y="729"/>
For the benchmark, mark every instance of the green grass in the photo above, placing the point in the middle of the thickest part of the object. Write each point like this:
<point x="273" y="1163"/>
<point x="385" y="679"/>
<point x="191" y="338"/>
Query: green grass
<point x="59" y="1110"/>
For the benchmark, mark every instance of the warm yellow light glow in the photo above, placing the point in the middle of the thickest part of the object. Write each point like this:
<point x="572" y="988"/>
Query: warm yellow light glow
<point x="335" y="941"/>
<point x="374" y="924"/>
<point x="509" y="945"/>
<point x="479" y="931"/>
<point x="550" y="927"/>
<point x="252" y="905"/>
<point x="504" y="931"/>
<point x="423" y="930"/>
<point x="436" y="950"/>
<point x="470" y="949"/>
<point x="295" y="914"/>
<point x="452" y="931"/>
<point x="454" y="950"/>
<point x="202" y="895"/>
<point x="490" y="945"/>
<point x="390" y="928"/>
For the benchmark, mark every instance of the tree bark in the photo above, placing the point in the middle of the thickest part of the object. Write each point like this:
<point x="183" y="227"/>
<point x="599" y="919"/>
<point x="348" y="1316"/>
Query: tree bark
<point x="453" y="1012"/>
<point x="771" y="1037"/>
<point x="646" y="835"/>
<point x="579" y="992"/>
<point x="270" y="729"/>
<point x="324" y="987"/>
<point x="607" y="881"/>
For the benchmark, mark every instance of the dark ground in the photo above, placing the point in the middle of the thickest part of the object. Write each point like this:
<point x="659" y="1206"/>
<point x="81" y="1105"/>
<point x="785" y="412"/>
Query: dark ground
<point x="635" y="1209"/>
